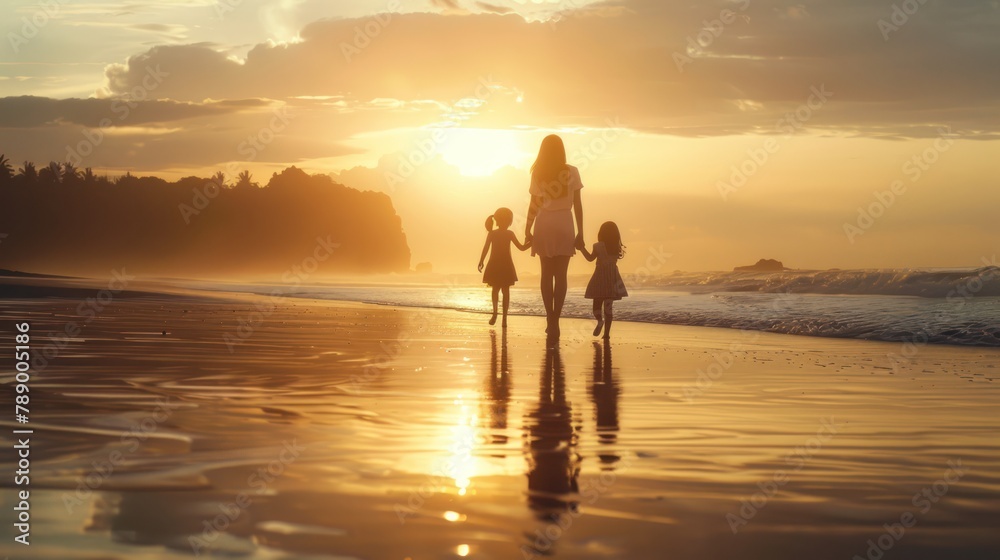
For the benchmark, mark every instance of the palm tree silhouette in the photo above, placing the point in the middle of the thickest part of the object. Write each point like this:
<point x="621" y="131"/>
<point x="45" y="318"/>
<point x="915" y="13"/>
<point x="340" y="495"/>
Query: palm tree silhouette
<point x="245" y="180"/>
<point x="50" y="174"/>
<point x="6" y="171"/>
<point x="88" y="176"/>
<point x="28" y="173"/>
<point x="70" y="174"/>
<point x="126" y="179"/>
<point x="219" y="179"/>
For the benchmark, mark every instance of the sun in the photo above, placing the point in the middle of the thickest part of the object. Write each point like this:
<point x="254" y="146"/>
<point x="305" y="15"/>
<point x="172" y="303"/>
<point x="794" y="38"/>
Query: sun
<point x="479" y="152"/>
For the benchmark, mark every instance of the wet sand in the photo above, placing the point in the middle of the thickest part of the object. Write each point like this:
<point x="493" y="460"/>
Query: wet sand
<point x="334" y="430"/>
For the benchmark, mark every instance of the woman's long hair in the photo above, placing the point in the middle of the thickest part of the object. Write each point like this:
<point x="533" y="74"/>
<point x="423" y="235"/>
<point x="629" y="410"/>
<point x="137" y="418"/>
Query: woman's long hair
<point x="612" y="239"/>
<point x="549" y="169"/>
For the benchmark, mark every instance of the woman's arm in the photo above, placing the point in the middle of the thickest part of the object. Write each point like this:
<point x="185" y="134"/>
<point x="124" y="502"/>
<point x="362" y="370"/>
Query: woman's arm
<point x="578" y="212"/>
<point x="486" y="248"/>
<point x="533" y="206"/>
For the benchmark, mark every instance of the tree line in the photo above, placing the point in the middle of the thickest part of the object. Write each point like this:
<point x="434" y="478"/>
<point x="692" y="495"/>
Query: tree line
<point x="65" y="220"/>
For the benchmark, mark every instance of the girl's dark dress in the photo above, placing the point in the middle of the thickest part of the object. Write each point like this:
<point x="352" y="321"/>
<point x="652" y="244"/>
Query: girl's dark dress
<point x="500" y="269"/>
<point x="606" y="283"/>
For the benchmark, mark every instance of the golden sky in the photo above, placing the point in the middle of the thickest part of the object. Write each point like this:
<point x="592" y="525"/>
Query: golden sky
<point x="715" y="132"/>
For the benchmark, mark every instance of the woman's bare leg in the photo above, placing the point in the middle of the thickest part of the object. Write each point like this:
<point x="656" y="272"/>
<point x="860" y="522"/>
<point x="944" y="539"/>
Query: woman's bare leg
<point x="547" y="281"/>
<point x="560" y="285"/>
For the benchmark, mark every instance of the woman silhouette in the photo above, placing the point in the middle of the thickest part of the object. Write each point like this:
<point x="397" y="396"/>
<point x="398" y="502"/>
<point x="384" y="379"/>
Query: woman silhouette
<point x="555" y="201"/>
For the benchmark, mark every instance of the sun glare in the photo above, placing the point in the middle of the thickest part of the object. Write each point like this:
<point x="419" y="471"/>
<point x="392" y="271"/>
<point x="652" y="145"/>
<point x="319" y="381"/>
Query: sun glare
<point x="478" y="152"/>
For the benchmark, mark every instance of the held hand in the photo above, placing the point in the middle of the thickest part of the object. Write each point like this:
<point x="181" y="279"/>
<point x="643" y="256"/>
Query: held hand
<point x="480" y="267"/>
<point x="579" y="242"/>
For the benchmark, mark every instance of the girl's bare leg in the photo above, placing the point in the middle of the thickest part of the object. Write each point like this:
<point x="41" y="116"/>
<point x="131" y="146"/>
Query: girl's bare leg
<point x="608" y="316"/>
<point x="598" y="303"/>
<point x="506" y="303"/>
<point x="496" y="294"/>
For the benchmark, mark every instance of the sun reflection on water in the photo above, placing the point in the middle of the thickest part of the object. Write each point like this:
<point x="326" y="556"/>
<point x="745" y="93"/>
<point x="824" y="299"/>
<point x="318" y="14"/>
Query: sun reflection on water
<point x="464" y="440"/>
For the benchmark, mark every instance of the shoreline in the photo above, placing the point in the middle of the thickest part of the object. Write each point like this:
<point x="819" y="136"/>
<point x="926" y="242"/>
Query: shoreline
<point x="80" y="288"/>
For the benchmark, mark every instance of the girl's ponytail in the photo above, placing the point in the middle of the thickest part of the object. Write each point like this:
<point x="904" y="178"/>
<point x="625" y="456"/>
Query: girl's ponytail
<point x="489" y="223"/>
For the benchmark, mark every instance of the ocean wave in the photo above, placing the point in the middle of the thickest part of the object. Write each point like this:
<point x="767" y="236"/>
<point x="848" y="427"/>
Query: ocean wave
<point x="915" y="331"/>
<point x="955" y="308"/>
<point x="950" y="284"/>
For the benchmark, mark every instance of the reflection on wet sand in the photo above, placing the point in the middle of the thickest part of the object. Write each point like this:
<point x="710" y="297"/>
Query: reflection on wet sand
<point x="552" y="438"/>
<point x="604" y="391"/>
<point x="497" y="391"/>
<point x="188" y="522"/>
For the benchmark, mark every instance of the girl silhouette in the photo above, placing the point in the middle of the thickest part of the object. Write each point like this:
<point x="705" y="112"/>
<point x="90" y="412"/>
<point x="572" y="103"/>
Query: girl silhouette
<point x="606" y="284"/>
<point x="500" y="273"/>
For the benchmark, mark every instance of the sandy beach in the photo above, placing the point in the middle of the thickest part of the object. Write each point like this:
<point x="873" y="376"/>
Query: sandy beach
<point x="179" y="425"/>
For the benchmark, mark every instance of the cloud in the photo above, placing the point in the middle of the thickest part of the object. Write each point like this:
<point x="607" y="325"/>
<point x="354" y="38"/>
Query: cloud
<point x="659" y="66"/>
<point x="494" y="8"/>
<point x="447" y="4"/>
<point x="30" y="111"/>
<point x="177" y="137"/>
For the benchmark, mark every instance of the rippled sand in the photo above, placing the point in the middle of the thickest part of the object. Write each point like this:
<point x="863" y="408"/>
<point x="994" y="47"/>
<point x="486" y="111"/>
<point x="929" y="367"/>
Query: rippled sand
<point x="352" y="431"/>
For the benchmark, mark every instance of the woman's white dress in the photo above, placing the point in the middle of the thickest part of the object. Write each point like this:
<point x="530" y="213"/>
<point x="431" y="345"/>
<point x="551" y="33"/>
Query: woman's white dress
<point x="554" y="234"/>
